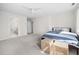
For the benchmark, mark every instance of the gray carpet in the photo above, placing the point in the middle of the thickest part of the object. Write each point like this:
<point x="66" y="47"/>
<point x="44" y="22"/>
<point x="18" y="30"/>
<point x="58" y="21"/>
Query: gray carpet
<point x="25" y="45"/>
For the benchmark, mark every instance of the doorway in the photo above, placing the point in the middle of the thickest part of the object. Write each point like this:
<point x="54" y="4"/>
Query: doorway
<point x="29" y="26"/>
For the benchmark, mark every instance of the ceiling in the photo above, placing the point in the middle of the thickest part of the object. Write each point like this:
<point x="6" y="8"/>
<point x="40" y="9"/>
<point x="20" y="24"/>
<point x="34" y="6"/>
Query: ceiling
<point x="36" y="9"/>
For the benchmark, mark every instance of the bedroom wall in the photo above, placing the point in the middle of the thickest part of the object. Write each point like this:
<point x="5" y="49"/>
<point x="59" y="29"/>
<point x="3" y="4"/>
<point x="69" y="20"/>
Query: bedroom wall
<point x="77" y="21"/>
<point x="22" y="26"/>
<point x="6" y="19"/>
<point x="43" y="24"/>
<point x="67" y="19"/>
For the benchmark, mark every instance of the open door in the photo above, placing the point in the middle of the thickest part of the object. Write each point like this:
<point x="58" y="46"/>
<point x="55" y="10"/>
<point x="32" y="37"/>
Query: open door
<point x="29" y="26"/>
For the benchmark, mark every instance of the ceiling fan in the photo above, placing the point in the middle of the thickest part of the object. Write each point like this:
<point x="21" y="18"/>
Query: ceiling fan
<point x="32" y="10"/>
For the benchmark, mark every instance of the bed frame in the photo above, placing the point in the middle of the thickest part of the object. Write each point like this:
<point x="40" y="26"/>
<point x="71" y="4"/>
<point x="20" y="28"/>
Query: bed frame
<point x="68" y="29"/>
<point x="55" y="47"/>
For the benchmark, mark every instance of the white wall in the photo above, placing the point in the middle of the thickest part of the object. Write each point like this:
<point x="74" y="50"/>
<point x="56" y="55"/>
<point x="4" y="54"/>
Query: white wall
<point x="22" y="26"/>
<point x="6" y="19"/>
<point x="65" y="20"/>
<point x="43" y="24"/>
<point x="77" y="22"/>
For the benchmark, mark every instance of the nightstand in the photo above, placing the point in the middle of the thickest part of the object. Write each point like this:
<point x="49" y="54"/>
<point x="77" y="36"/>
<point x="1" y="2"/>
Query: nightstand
<point x="75" y="47"/>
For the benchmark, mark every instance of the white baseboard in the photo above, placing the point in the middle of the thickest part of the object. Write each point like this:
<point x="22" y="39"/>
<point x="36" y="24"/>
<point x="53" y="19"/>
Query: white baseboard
<point x="7" y="37"/>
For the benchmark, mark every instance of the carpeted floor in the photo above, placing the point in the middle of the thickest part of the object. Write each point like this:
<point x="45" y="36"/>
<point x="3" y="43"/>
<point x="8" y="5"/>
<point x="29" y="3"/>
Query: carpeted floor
<point x="25" y="45"/>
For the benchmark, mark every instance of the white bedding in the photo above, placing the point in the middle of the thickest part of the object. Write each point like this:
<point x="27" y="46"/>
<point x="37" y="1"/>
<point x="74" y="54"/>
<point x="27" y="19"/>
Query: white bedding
<point x="66" y="37"/>
<point x="64" y="32"/>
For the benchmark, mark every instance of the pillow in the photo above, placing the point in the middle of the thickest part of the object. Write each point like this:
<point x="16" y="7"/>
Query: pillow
<point x="68" y="33"/>
<point x="65" y="29"/>
<point x="56" y="29"/>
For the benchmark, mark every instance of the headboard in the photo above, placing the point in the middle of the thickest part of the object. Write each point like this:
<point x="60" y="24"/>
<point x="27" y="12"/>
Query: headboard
<point x="61" y="28"/>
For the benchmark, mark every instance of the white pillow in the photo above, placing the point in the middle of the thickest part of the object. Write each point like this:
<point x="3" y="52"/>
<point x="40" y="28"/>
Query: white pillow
<point x="64" y="32"/>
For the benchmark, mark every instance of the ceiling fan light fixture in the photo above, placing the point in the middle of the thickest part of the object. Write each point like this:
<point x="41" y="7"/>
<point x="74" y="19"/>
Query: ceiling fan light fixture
<point x="73" y="4"/>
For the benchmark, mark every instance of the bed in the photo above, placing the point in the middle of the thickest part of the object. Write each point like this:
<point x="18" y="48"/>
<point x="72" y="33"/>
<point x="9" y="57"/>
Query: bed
<point x="61" y="35"/>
